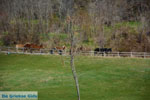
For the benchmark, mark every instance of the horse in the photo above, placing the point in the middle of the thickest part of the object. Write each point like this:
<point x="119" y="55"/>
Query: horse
<point x="83" y="49"/>
<point x="32" y="47"/>
<point x="59" y="50"/>
<point x="27" y="46"/>
<point x="80" y="49"/>
<point x="102" y="50"/>
<point x="19" y="46"/>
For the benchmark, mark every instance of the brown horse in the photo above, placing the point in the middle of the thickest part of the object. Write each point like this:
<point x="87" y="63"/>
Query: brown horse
<point x="80" y="49"/>
<point x="60" y="49"/>
<point x="83" y="49"/>
<point x="27" y="46"/>
<point x="19" y="46"/>
<point x="32" y="47"/>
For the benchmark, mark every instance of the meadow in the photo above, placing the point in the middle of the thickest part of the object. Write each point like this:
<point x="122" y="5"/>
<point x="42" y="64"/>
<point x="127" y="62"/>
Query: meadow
<point x="99" y="78"/>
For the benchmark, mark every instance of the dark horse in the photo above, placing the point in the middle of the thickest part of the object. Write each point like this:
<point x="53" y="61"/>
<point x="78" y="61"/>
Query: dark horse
<point x="102" y="50"/>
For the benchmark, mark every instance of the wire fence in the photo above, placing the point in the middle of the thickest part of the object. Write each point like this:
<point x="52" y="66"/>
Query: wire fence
<point x="13" y="50"/>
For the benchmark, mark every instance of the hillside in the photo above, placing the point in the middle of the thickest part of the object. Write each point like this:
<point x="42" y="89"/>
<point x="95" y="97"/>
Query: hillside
<point x="120" y="25"/>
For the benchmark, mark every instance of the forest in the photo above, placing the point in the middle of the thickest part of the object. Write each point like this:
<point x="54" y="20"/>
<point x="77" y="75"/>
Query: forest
<point x="123" y="25"/>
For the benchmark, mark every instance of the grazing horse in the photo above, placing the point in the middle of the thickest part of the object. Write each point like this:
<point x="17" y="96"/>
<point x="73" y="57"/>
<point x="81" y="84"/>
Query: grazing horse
<point x="59" y="50"/>
<point x="80" y="49"/>
<point x="19" y="46"/>
<point x="33" y="47"/>
<point x="102" y="50"/>
<point x="27" y="46"/>
<point x="77" y="50"/>
<point x="83" y="49"/>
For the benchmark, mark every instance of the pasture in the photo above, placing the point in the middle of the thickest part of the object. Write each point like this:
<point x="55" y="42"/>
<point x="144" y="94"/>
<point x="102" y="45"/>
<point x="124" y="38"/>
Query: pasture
<point x="99" y="78"/>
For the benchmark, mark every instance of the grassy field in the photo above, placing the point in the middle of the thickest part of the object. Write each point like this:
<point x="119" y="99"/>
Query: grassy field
<point x="99" y="78"/>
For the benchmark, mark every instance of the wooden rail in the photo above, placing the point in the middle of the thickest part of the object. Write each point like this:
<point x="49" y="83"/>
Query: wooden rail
<point x="9" y="50"/>
<point x="118" y="54"/>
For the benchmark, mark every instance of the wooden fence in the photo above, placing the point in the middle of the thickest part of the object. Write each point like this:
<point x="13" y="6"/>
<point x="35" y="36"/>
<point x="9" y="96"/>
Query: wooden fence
<point x="118" y="54"/>
<point x="9" y="50"/>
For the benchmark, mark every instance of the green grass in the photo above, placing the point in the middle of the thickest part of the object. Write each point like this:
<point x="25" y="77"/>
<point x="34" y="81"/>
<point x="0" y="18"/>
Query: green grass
<point x="133" y="24"/>
<point x="62" y="36"/>
<point x="99" y="78"/>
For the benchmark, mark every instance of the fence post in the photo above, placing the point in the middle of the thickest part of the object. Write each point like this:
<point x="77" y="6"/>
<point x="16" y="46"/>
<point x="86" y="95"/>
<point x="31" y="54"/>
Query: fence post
<point x="144" y="54"/>
<point x="104" y="54"/>
<point x="23" y="50"/>
<point x="40" y="51"/>
<point x="118" y="54"/>
<point x="91" y="53"/>
<point x="131" y="54"/>
<point x="8" y="50"/>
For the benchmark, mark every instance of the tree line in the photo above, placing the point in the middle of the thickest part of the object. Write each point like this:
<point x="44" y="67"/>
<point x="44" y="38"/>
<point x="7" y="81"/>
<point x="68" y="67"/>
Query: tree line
<point x="122" y="25"/>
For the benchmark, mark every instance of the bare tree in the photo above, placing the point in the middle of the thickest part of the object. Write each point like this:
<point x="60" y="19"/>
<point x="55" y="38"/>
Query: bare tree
<point x="72" y="54"/>
<point x="70" y="11"/>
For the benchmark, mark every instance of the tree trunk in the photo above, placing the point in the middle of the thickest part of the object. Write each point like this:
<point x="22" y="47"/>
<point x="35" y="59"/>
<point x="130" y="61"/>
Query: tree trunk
<point x="72" y="60"/>
<point x="75" y="76"/>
